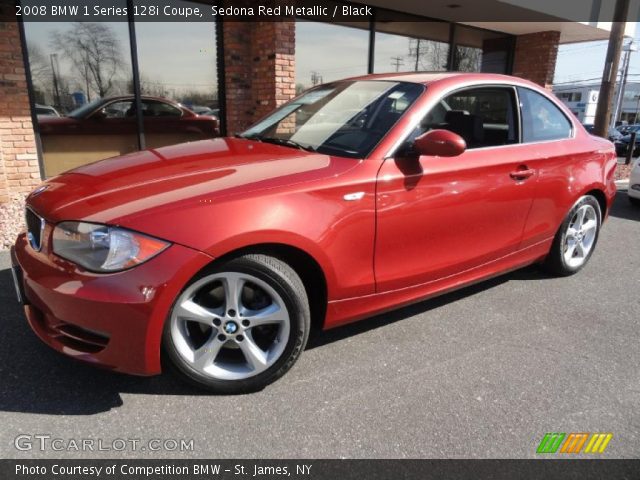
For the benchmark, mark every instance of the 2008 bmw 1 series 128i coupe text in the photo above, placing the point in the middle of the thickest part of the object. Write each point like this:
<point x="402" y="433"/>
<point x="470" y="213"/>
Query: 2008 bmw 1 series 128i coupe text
<point x="217" y="257"/>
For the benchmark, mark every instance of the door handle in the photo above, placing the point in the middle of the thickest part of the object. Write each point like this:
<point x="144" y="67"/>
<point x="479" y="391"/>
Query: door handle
<point x="522" y="173"/>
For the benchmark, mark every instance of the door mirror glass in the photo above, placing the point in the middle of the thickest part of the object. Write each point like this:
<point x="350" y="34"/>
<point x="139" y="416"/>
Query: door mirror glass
<point x="440" y="143"/>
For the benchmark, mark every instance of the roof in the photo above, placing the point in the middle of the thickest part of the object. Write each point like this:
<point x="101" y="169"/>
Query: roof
<point x="426" y="78"/>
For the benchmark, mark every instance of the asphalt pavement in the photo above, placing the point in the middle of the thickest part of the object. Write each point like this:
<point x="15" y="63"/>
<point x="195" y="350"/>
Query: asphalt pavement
<point x="483" y="372"/>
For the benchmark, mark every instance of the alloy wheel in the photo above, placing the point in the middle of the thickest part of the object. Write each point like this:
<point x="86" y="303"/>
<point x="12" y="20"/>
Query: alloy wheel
<point x="230" y="326"/>
<point x="580" y="236"/>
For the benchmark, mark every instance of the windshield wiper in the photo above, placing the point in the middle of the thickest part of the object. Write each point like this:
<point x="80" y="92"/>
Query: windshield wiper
<point x="283" y="141"/>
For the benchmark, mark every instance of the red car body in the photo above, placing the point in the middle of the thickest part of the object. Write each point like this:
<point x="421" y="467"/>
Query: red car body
<point x="186" y="121"/>
<point x="215" y="197"/>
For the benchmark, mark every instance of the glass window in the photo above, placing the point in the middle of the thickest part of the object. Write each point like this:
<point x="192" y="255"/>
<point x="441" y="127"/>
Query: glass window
<point x="484" y="117"/>
<point x="157" y="108"/>
<point x="118" y="109"/>
<point x="481" y="50"/>
<point x="343" y="118"/>
<point x="541" y="119"/>
<point x="178" y="79"/>
<point x="327" y="52"/>
<point x="75" y="68"/>
<point x="411" y="46"/>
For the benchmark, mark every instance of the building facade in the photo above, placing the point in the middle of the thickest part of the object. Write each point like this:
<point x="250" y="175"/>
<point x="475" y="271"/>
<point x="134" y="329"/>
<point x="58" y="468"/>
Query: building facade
<point x="73" y="93"/>
<point x="582" y="100"/>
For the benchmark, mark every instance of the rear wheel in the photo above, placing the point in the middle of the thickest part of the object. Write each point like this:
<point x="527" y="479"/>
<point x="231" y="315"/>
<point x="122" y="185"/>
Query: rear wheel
<point x="240" y="326"/>
<point x="576" y="238"/>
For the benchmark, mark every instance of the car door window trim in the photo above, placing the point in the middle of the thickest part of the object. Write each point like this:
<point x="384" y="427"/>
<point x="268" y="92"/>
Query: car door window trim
<point x="419" y="115"/>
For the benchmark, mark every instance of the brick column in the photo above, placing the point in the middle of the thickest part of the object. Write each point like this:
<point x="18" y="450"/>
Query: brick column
<point x="259" y="59"/>
<point x="535" y="57"/>
<point x="19" y="170"/>
<point x="19" y="160"/>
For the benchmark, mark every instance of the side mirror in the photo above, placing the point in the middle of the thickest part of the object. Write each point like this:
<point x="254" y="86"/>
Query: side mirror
<point x="440" y="143"/>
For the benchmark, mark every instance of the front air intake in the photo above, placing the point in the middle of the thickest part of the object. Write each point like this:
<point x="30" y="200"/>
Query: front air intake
<point x="35" y="229"/>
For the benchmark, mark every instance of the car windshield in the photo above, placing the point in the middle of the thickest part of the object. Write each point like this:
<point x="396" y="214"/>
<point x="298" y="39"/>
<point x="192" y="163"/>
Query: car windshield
<point x="83" y="110"/>
<point x="344" y="118"/>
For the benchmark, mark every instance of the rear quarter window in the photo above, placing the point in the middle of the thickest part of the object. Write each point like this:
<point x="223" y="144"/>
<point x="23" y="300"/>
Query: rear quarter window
<point x="542" y="120"/>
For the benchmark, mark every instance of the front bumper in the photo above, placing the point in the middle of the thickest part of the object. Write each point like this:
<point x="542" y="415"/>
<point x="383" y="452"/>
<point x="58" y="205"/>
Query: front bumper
<point x="111" y="320"/>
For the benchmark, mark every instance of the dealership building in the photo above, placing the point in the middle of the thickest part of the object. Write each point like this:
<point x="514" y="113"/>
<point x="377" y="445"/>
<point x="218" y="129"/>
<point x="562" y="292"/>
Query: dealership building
<point x="582" y="100"/>
<point x="129" y="75"/>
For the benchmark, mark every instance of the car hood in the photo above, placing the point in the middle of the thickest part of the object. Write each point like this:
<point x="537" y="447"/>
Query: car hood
<point x="118" y="189"/>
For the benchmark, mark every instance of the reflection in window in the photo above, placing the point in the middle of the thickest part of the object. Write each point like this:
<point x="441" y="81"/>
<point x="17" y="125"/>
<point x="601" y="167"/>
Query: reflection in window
<point x="72" y="65"/>
<point x="411" y="46"/>
<point x="395" y="53"/>
<point x="483" y="117"/>
<point x="481" y="50"/>
<point x="178" y="79"/>
<point x="345" y="118"/>
<point x="541" y="119"/>
<point x="327" y="52"/>
<point x="467" y="59"/>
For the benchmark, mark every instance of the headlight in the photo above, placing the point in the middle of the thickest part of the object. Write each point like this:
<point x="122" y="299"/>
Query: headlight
<point x="101" y="248"/>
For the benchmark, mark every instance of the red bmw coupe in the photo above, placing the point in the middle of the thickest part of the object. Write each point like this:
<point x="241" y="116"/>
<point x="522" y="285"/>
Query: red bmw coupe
<point x="217" y="257"/>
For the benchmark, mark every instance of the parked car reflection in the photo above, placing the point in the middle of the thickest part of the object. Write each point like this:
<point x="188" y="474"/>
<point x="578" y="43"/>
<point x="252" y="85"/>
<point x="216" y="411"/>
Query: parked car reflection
<point x="107" y="127"/>
<point x="46" y="111"/>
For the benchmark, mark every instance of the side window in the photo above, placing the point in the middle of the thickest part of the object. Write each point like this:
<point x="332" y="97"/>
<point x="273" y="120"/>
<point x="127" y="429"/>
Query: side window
<point x="155" y="108"/>
<point x="119" y="109"/>
<point x="541" y="119"/>
<point x="484" y="117"/>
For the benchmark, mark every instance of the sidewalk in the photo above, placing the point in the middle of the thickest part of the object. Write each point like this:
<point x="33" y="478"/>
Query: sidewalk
<point x="623" y="171"/>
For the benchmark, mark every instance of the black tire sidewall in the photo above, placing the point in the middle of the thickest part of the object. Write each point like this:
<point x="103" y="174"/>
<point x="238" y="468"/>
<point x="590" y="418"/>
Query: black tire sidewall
<point x="299" y="319"/>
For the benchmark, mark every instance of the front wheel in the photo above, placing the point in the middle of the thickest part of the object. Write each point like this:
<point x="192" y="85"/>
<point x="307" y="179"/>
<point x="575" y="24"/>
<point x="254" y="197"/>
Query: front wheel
<point x="239" y="326"/>
<point x="576" y="238"/>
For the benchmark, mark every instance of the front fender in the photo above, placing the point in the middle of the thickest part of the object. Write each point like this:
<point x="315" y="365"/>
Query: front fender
<point x="338" y="234"/>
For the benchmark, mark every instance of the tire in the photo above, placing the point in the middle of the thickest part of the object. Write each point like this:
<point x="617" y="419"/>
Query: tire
<point x="634" y="201"/>
<point x="213" y="346"/>
<point x="572" y="246"/>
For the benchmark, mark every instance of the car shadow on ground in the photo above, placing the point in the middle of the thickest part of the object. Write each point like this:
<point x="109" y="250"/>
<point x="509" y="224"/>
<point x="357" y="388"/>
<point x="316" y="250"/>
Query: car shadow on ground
<point x="36" y="379"/>
<point x="323" y="338"/>
<point x="623" y="208"/>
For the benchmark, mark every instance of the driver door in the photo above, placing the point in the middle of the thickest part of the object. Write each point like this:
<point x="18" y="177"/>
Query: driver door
<point x="437" y="216"/>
